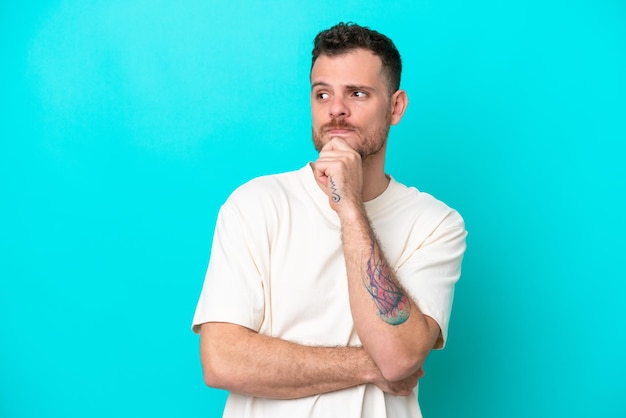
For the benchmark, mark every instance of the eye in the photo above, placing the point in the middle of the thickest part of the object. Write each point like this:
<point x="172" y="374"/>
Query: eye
<point x="360" y="94"/>
<point x="322" y="95"/>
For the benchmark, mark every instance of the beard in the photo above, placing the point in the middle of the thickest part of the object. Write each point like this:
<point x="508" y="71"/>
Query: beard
<point x="370" y="141"/>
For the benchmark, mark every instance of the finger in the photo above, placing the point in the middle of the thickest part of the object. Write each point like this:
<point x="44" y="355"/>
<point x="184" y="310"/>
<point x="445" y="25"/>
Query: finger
<point x="337" y="143"/>
<point x="321" y="168"/>
<point x="319" y="174"/>
<point x="331" y="164"/>
<point x="335" y="154"/>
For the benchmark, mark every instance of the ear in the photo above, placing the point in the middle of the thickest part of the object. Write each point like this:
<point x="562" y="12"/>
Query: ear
<point x="399" y="102"/>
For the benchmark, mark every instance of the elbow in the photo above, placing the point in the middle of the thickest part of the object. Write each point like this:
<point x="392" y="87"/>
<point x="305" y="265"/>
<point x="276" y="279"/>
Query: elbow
<point x="400" y="367"/>
<point x="209" y="380"/>
<point x="218" y="368"/>
<point x="214" y="381"/>
<point x="407" y="358"/>
<point x="211" y="377"/>
<point x="221" y="377"/>
<point x="217" y="374"/>
<point x="399" y="372"/>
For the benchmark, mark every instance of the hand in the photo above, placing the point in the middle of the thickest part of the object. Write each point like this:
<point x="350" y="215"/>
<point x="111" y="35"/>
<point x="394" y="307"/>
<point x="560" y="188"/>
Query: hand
<point x="402" y="387"/>
<point x="339" y="173"/>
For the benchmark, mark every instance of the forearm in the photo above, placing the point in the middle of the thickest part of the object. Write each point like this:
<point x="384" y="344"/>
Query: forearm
<point x="242" y="361"/>
<point x="394" y="332"/>
<point x="392" y="329"/>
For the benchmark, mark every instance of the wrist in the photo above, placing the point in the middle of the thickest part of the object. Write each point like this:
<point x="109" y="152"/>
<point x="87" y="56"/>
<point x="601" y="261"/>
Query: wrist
<point x="351" y="213"/>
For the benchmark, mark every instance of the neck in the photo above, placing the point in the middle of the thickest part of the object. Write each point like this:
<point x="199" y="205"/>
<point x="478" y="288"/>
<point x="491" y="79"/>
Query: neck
<point x="375" y="181"/>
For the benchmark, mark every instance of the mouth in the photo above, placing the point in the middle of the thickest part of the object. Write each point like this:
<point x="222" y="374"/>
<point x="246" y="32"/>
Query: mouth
<point x="339" y="131"/>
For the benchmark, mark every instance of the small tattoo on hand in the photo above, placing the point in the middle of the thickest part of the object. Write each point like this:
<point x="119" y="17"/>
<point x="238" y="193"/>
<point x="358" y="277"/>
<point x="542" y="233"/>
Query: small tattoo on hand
<point x="333" y="189"/>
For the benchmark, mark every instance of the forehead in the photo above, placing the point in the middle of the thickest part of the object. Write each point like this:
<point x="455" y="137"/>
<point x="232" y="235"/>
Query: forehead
<point x="358" y="66"/>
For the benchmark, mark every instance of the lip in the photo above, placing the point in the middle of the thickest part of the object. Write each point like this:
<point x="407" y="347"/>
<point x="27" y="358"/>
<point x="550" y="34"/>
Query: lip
<point x="339" y="131"/>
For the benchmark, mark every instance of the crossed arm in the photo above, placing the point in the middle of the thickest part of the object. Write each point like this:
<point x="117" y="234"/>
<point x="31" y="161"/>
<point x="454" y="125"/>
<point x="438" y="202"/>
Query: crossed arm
<point x="243" y="361"/>
<point x="393" y="331"/>
<point x="396" y="336"/>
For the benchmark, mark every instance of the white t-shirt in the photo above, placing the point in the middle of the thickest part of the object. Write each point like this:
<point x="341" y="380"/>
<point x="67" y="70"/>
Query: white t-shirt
<point x="277" y="267"/>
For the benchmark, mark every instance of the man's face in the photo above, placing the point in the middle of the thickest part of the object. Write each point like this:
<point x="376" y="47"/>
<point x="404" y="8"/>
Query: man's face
<point x="350" y="99"/>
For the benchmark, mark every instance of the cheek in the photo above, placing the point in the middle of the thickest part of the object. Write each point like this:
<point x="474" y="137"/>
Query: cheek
<point x="316" y="112"/>
<point x="318" y="119"/>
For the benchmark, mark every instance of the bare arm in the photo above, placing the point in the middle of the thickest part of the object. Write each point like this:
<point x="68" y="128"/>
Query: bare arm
<point x="242" y="361"/>
<point x="394" y="332"/>
<point x="391" y="327"/>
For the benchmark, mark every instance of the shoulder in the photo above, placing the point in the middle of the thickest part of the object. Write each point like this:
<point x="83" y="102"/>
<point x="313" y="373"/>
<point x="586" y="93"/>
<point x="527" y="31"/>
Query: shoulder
<point x="263" y="188"/>
<point x="425" y="206"/>
<point x="262" y="199"/>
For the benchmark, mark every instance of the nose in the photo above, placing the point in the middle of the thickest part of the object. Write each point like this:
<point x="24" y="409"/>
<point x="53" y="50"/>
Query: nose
<point x="338" y="108"/>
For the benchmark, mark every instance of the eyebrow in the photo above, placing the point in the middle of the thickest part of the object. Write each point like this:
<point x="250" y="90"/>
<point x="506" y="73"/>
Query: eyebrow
<point x="348" y="87"/>
<point x="319" y="84"/>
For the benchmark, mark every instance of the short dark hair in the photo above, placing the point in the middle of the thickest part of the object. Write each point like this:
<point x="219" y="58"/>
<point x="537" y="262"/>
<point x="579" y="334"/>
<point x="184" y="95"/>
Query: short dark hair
<point x="345" y="37"/>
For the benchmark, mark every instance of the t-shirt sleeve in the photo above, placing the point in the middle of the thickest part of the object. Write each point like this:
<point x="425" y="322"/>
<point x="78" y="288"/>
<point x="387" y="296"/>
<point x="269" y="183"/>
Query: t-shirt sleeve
<point x="232" y="291"/>
<point x="432" y="270"/>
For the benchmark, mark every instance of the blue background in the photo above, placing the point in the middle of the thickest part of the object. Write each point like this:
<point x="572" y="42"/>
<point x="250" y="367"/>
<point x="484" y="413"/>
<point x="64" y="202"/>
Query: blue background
<point x="125" y="124"/>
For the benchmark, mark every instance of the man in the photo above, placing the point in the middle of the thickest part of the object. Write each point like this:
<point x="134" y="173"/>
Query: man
<point x="328" y="286"/>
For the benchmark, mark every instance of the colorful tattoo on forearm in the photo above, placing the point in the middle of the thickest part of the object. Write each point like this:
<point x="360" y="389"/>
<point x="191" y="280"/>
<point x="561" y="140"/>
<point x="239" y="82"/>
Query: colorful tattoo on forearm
<point x="393" y="305"/>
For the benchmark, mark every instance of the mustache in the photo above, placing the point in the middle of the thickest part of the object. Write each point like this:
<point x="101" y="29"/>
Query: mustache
<point x="337" y="124"/>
